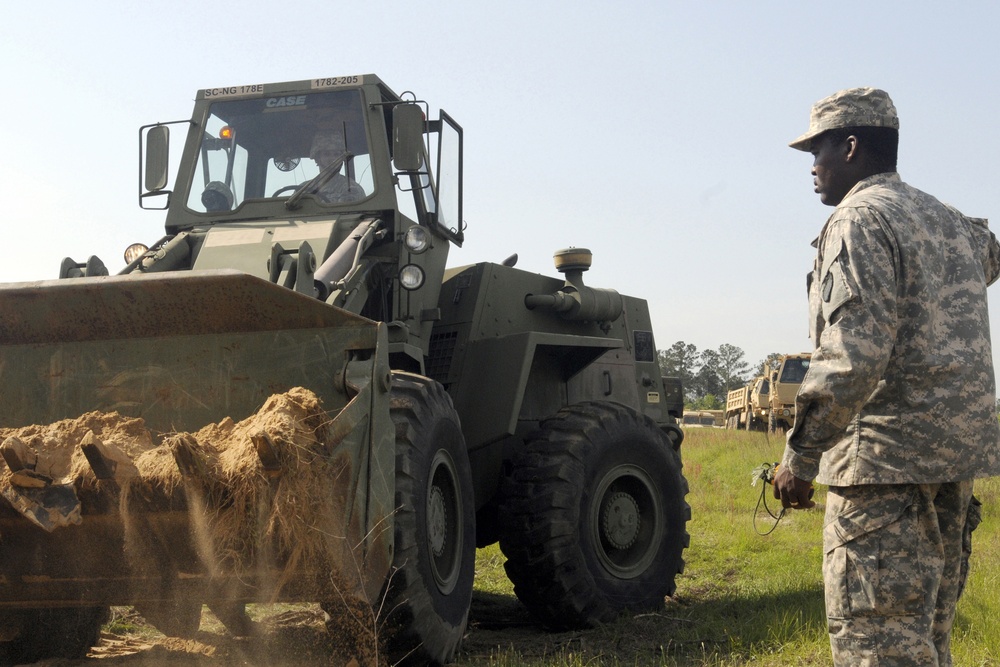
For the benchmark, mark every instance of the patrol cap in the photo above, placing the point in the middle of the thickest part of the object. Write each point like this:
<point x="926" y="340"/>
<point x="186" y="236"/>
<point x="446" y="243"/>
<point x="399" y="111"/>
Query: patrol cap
<point x="326" y="141"/>
<point x="854" y="107"/>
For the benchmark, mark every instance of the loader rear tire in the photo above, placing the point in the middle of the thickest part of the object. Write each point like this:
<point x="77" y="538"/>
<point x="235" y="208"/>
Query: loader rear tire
<point x="594" y="517"/>
<point x="53" y="633"/>
<point x="430" y="589"/>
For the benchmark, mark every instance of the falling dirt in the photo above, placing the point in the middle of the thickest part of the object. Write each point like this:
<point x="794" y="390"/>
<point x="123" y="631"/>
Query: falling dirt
<point x="267" y="495"/>
<point x="242" y="517"/>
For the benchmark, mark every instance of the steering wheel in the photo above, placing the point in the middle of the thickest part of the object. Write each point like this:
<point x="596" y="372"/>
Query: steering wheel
<point x="286" y="189"/>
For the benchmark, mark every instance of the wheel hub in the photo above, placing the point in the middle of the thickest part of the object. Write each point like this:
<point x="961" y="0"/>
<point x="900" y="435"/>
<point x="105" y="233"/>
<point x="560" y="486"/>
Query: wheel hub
<point x="626" y="521"/>
<point x="437" y="521"/>
<point x="620" y="521"/>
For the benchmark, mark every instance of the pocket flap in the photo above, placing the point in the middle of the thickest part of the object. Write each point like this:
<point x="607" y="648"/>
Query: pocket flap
<point x="858" y="520"/>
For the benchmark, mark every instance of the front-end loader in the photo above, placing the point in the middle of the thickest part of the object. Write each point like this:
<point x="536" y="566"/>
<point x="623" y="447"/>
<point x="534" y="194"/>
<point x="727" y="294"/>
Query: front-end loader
<point x="291" y="397"/>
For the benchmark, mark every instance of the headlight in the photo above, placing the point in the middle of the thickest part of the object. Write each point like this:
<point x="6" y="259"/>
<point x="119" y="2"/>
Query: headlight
<point x="411" y="277"/>
<point x="786" y="412"/>
<point x="134" y="252"/>
<point x="416" y="240"/>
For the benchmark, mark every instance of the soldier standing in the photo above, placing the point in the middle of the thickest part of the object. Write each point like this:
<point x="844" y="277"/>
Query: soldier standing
<point x="897" y="410"/>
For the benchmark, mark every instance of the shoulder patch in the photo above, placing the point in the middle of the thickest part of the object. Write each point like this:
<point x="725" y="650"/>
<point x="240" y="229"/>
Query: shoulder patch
<point x="835" y="288"/>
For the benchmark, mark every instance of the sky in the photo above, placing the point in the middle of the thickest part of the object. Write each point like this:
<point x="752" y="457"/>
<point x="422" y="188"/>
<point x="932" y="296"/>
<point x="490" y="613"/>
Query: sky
<point x="653" y="133"/>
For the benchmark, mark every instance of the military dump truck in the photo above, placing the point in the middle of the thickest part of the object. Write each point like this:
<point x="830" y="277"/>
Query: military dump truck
<point x="785" y="382"/>
<point x="767" y="402"/>
<point x="290" y="397"/>
<point x="749" y="406"/>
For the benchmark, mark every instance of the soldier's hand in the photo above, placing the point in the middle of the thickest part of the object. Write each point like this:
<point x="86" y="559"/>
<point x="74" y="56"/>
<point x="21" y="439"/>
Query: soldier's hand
<point x="792" y="491"/>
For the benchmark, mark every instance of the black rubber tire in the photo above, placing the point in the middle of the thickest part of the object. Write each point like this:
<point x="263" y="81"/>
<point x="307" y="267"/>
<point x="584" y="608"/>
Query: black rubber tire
<point x="53" y="633"/>
<point x="572" y="563"/>
<point x="430" y="589"/>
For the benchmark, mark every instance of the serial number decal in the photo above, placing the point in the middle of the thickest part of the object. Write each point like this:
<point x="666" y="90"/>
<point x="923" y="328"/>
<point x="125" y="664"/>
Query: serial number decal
<point x="334" y="81"/>
<point x="232" y="91"/>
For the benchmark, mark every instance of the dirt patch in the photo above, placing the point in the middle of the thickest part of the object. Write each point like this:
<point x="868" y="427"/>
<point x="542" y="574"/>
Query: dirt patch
<point x="295" y="635"/>
<point x="500" y="629"/>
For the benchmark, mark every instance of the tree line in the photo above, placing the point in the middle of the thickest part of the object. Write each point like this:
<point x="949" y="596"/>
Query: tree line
<point x="708" y="375"/>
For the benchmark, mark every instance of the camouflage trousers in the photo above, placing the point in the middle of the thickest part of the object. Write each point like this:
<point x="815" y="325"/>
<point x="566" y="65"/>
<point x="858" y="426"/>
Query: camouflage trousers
<point x="892" y="569"/>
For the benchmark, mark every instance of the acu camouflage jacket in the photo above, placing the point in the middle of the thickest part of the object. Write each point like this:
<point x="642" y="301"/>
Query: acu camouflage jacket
<point x="900" y="388"/>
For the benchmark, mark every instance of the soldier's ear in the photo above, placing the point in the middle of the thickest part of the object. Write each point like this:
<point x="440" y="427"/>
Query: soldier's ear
<point x="850" y="148"/>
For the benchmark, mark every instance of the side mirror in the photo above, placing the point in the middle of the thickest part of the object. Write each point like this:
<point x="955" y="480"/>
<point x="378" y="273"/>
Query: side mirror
<point x="157" y="157"/>
<point x="407" y="137"/>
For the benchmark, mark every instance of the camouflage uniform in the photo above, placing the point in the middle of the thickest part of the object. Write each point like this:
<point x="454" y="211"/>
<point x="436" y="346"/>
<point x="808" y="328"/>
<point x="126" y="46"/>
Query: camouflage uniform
<point x="339" y="189"/>
<point x="896" y="412"/>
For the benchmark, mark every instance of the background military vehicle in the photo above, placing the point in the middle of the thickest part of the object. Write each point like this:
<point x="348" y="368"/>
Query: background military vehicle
<point x="703" y="418"/>
<point x="749" y="406"/>
<point x="767" y="402"/>
<point x="307" y="232"/>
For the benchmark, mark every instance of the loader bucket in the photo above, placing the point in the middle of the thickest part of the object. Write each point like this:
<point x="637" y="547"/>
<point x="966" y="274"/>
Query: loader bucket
<point x="178" y="349"/>
<point x="191" y="354"/>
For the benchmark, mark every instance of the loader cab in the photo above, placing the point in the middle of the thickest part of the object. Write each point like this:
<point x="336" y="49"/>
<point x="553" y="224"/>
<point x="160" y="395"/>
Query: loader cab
<point x="308" y="149"/>
<point x="290" y="173"/>
<point x="267" y="147"/>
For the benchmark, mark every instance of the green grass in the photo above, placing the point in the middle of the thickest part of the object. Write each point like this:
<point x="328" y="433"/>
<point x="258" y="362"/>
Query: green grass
<point x="744" y="598"/>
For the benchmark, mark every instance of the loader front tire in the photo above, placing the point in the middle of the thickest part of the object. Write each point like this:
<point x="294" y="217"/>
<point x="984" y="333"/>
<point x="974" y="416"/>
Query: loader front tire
<point x="593" y="517"/>
<point x="41" y="634"/>
<point x="430" y="589"/>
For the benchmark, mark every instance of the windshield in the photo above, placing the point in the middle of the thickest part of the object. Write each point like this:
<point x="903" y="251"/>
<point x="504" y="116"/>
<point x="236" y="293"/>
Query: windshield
<point x="794" y="370"/>
<point x="269" y="147"/>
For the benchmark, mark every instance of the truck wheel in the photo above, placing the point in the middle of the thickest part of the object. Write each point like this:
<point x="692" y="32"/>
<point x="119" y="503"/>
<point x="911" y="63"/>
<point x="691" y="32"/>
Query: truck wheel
<point x="430" y="589"/>
<point x="593" y="516"/>
<point x="52" y="633"/>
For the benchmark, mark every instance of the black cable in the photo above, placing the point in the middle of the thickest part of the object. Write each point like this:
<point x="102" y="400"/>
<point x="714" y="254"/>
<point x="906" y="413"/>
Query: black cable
<point x="762" y="500"/>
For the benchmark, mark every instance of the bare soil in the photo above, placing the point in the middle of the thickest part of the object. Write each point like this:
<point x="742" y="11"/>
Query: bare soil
<point x="288" y="635"/>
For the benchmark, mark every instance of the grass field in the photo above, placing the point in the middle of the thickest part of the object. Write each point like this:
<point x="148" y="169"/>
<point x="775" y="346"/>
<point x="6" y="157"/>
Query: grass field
<point x="744" y="598"/>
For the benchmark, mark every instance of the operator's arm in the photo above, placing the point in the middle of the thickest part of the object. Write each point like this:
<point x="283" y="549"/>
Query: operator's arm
<point x="857" y="303"/>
